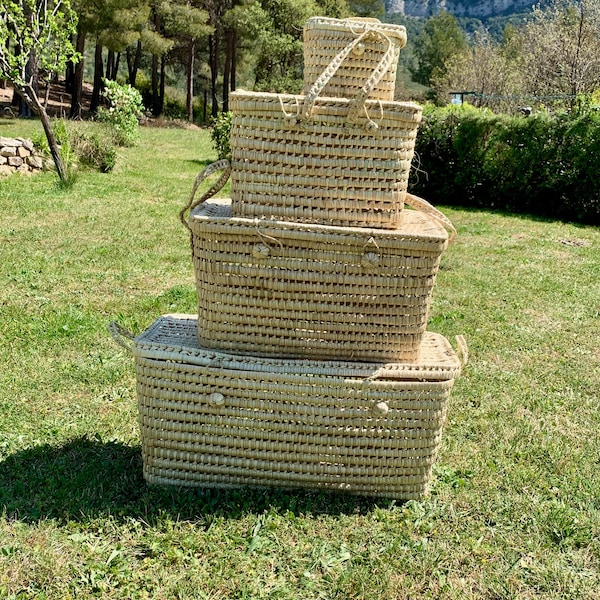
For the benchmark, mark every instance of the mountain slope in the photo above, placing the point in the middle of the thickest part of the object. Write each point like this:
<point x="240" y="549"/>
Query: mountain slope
<point x="460" y="8"/>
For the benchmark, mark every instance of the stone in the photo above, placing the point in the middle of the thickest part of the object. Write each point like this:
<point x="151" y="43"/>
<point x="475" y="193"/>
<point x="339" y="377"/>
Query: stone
<point x="3" y="160"/>
<point x="8" y="151"/>
<point x="7" y="142"/>
<point x="15" y="161"/>
<point x="6" y="170"/>
<point x="35" y="161"/>
<point x="23" y="152"/>
<point x="29" y="145"/>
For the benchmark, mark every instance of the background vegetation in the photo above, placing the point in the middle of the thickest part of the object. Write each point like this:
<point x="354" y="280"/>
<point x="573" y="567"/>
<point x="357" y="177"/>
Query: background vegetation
<point x="545" y="164"/>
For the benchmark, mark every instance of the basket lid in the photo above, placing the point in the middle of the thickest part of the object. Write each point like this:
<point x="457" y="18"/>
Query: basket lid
<point x="358" y="25"/>
<point x="174" y="337"/>
<point x="417" y="229"/>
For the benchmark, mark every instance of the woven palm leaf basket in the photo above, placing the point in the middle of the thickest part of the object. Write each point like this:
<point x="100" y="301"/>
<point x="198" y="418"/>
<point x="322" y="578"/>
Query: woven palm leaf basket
<point x="370" y="46"/>
<point x="312" y="159"/>
<point x="219" y="420"/>
<point x="271" y="288"/>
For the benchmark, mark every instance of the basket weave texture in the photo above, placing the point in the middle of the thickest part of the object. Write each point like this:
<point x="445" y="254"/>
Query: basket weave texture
<point x="272" y="288"/>
<point x="326" y="38"/>
<point x="218" y="420"/>
<point x="311" y="159"/>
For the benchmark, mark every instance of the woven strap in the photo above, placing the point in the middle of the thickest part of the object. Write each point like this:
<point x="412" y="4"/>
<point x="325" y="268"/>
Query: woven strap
<point x="357" y="104"/>
<point x="221" y="165"/>
<point x="462" y="349"/>
<point x="424" y="206"/>
<point x="121" y="336"/>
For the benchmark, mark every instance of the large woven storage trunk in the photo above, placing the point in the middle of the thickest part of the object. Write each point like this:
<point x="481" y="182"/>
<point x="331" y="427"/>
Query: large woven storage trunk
<point x="315" y="160"/>
<point x="371" y="45"/>
<point x="271" y="288"/>
<point x="218" y="420"/>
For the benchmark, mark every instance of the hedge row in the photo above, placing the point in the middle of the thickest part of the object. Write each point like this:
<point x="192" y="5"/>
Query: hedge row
<point x="544" y="165"/>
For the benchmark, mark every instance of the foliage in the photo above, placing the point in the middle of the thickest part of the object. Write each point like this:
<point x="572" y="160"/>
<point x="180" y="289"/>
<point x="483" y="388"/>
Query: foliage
<point x="35" y="29"/>
<point x="491" y="73"/>
<point x="124" y="112"/>
<point x="549" y="59"/>
<point x="562" y="49"/>
<point x="513" y="511"/>
<point x="220" y="134"/>
<point x="35" y="35"/>
<point x="82" y="145"/>
<point x="543" y="164"/>
<point x="440" y="39"/>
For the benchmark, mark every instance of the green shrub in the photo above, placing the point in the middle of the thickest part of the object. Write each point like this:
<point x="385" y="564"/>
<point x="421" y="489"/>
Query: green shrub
<point x="124" y="112"/>
<point x="81" y="145"/>
<point x="220" y="134"/>
<point x="547" y="165"/>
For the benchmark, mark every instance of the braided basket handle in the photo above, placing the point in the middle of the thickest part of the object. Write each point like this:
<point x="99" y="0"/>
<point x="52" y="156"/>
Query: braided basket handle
<point x="462" y="349"/>
<point x="122" y="336"/>
<point x="357" y="104"/>
<point x="424" y="206"/>
<point x="221" y="165"/>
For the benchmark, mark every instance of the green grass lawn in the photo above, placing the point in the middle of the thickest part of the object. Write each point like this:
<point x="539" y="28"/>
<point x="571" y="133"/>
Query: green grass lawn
<point x="515" y="501"/>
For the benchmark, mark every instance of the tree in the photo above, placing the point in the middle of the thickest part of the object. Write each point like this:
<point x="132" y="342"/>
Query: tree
<point x="561" y="48"/>
<point x="367" y="8"/>
<point x="440" y="39"/>
<point x="36" y="32"/>
<point x="187" y="24"/>
<point x="492" y="71"/>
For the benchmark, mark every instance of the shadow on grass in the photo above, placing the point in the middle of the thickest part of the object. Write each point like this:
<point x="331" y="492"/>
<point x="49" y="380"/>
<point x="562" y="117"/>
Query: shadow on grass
<point x="87" y="478"/>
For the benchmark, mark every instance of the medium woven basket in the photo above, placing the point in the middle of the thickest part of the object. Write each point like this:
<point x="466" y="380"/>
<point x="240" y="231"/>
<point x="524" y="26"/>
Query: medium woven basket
<point x="273" y="288"/>
<point x="219" y="420"/>
<point x="369" y="46"/>
<point x="311" y="159"/>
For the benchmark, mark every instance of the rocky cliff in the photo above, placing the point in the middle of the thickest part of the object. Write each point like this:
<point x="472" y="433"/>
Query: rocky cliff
<point x="460" y="8"/>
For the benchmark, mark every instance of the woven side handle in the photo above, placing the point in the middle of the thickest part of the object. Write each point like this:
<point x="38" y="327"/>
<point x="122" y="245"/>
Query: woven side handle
<point x="221" y="165"/>
<point x="462" y="350"/>
<point x="424" y="206"/>
<point x="122" y="336"/>
<point x="357" y="105"/>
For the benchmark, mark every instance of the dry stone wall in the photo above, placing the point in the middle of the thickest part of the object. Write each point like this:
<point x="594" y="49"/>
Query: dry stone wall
<point x="17" y="155"/>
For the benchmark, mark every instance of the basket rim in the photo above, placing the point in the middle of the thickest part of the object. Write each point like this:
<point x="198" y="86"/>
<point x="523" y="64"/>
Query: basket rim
<point x="357" y="24"/>
<point x="216" y="213"/>
<point x="174" y="337"/>
<point x="242" y="95"/>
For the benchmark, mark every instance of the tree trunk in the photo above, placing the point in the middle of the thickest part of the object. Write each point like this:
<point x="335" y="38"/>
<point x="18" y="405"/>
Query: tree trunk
<point x="213" y="45"/>
<point x="155" y="84"/>
<point x="163" y="65"/>
<point x="133" y="63"/>
<point x="70" y="71"/>
<point x="76" y="93"/>
<point x="110" y="64"/>
<point x="189" y="97"/>
<point x="115" y="72"/>
<point x="29" y="96"/>
<point x="227" y="71"/>
<point x="98" y="75"/>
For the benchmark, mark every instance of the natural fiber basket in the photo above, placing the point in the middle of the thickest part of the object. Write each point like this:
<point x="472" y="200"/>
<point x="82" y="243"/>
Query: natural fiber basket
<point x="312" y="159"/>
<point x="273" y="288"/>
<point x="218" y="420"/>
<point x="367" y="45"/>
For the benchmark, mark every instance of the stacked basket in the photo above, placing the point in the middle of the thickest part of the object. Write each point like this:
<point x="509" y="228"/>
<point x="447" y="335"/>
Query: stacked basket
<point x="308" y="364"/>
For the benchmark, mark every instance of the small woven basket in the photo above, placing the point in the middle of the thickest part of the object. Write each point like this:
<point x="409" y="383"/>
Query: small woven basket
<point x="273" y="288"/>
<point x="372" y="46"/>
<point x="220" y="420"/>
<point x="330" y="161"/>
